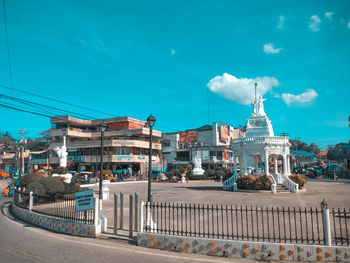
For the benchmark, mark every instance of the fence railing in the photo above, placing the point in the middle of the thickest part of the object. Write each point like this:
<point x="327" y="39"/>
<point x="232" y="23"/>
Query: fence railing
<point x="340" y="228"/>
<point x="267" y="224"/>
<point x="61" y="206"/>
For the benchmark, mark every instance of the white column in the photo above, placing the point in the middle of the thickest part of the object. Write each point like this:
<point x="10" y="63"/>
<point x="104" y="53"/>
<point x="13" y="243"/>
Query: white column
<point x="257" y="164"/>
<point x="288" y="162"/>
<point x="267" y="163"/>
<point x="234" y="163"/>
<point x="276" y="165"/>
<point x="245" y="162"/>
<point x="285" y="172"/>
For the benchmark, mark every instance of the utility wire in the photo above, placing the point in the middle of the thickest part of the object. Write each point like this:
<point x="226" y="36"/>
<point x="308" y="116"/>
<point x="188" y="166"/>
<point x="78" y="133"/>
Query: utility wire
<point x="59" y="101"/>
<point x="14" y="108"/>
<point x="7" y="44"/>
<point x="42" y="105"/>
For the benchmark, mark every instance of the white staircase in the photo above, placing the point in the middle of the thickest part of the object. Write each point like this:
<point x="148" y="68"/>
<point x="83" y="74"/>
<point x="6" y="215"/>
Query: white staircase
<point x="230" y="183"/>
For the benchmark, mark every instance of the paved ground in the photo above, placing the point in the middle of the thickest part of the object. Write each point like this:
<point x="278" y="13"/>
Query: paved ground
<point x="210" y="192"/>
<point x="21" y="242"/>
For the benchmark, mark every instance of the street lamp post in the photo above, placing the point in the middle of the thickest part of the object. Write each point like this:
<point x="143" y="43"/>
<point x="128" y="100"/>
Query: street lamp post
<point x="150" y="123"/>
<point x="103" y="129"/>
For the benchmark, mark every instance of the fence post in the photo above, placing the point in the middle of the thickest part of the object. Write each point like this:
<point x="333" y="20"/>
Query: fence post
<point x="141" y="217"/>
<point x="136" y="211"/>
<point x="121" y="209"/>
<point x="131" y="205"/>
<point x="326" y="223"/>
<point x="96" y="213"/>
<point x="115" y="212"/>
<point x="30" y="201"/>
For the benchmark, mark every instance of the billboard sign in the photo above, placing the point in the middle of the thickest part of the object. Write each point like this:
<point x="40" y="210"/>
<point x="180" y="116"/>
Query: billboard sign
<point x="84" y="200"/>
<point x="224" y="132"/>
<point x="188" y="136"/>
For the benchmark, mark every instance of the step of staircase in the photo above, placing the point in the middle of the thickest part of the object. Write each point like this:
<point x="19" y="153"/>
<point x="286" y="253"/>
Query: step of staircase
<point x="281" y="189"/>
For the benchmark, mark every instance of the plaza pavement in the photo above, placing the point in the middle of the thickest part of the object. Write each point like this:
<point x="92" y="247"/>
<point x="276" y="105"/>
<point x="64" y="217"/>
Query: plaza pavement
<point x="336" y="194"/>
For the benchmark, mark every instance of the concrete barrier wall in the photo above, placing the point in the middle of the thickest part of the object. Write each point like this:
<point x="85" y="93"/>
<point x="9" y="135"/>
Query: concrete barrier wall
<point x="244" y="249"/>
<point x="56" y="224"/>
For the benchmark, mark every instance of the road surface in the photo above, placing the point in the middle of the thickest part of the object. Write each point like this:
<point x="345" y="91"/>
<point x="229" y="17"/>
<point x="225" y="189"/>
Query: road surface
<point x="21" y="242"/>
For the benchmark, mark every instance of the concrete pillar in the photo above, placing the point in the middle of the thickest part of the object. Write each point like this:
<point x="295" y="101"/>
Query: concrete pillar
<point x="234" y="163"/>
<point x="285" y="172"/>
<point x="276" y="165"/>
<point x="288" y="163"/>
<point x="257" y="164"/>
<point x="267" y="172"/>
<point x="245" y="172"/>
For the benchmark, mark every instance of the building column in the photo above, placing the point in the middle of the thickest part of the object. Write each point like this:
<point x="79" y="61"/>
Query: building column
<point x="257" y="164"/>
<point x="234" y="164"/>
<point x="276" y="165"/>
<point x="245" y="172"/>
<point x="288" y="164"/>
<point x="285" y="168"/>
<point x="114" y="166"/>
<point x="267" y="172"/>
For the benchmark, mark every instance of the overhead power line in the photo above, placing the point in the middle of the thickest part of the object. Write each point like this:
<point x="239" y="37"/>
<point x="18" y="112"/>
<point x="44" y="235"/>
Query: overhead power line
<point x="42" y="105"/>
<point x="15" y="108"/>
<point x="7" y="44"/>
<point x="59" y="101"/>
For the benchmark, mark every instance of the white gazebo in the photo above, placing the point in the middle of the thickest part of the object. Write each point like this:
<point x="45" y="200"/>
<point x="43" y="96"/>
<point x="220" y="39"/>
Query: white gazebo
<point x="260" y="150"/>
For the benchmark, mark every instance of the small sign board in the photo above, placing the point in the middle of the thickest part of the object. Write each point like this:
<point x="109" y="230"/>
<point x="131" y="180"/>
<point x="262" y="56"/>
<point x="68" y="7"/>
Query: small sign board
<point x="84" y="200"/>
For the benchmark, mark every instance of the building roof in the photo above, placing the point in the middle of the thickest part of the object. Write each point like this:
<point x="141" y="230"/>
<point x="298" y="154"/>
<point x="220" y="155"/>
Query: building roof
<point x="322" y="153"/>
<point x="302" y="153"/>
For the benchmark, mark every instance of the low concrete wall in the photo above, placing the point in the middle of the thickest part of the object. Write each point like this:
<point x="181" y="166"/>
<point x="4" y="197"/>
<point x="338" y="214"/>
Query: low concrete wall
<point x="56" y="224"/>
<point x="244" y="249"/>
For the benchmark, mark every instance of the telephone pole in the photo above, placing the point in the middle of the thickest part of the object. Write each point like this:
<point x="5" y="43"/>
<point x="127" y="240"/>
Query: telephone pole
<point x="22" y="142"/>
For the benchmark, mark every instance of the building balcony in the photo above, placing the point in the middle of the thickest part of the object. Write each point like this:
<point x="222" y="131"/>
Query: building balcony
<point x="109" y="143"/>
<point x="80" y="133"/>
<point x="95" y="159"/>
<point x="274" y="140"/>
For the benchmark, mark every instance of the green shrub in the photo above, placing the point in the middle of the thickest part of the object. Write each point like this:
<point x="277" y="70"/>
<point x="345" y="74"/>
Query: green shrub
<point x="298" y="179"/>
<point x="52" y="185"/>
<point x="211" y="174"/>
<point x="262" y="182"/>
<point x="61" y="170"/>
<point x="36" y="188"/>
<point x="30" y="178"/>
<point x="220" y="174"/>
<point x="246" y="182"/>
<point x="198" y="177"/>
<point x="173" y="175"/>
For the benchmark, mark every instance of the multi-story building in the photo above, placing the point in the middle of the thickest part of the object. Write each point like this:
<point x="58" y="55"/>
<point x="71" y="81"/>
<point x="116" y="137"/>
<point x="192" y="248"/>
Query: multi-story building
<point x="126" y="144"/>
<point x="211" y="143"/>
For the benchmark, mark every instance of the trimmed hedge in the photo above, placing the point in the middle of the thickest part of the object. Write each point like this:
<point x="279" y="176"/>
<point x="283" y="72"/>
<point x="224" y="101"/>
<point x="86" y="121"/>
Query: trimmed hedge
<point x="262" y="182"/>
<point x="36" y="188"/>
<point x="61" y="170"/>
<point x="52" y="185"/>
<point x="30" y="178"/>
<point x="198" y="177"/>
<point x="298" y="179"/>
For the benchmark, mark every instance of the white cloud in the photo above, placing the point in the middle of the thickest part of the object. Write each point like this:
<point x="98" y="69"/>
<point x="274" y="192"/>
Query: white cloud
<point x="270" y="49"/>
<point x="315" y="22"/>
<point x="329" y="15"/>
<point x="280" y="21"/>
<point x="172" y="52"/>
<point x="240" y="90"/>
<point x="307" y="96"/>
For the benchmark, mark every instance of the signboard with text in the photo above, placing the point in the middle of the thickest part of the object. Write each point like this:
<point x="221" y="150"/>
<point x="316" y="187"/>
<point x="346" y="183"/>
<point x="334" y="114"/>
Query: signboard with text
<point x="224" y="131"/>
<point x="84" y="200"/>
<point x="188" y="136"/>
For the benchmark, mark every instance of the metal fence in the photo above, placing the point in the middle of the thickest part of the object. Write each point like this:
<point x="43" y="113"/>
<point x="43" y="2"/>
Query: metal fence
<point x="61" y="206"/>
<point x="339" y="220"/>
<point x="270" y="224"/>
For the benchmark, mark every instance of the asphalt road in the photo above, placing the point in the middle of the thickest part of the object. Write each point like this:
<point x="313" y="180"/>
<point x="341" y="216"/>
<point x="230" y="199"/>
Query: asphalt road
<point x="21" y="242"/>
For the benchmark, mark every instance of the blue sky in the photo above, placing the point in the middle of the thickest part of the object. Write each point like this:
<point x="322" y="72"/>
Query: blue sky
<point x="168" y="58"/>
